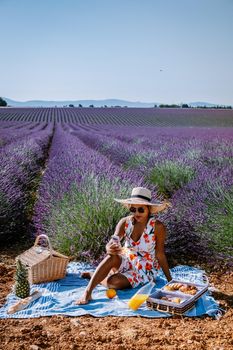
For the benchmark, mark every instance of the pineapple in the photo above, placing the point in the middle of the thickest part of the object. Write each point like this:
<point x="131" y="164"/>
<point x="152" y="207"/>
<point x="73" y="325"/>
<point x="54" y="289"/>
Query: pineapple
<point x="22" y="286"/>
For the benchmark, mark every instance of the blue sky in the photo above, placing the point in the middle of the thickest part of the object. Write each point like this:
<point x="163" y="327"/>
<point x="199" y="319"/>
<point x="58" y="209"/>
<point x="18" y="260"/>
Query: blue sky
<point x="167" y="51"/>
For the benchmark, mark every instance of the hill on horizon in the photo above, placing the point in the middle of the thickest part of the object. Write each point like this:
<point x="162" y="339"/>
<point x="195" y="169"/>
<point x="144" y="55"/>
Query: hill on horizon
<point x="95" y="103"/>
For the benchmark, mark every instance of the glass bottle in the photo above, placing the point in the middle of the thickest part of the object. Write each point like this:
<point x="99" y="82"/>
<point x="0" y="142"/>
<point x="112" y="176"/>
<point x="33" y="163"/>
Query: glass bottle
<point x="141" y="295"/>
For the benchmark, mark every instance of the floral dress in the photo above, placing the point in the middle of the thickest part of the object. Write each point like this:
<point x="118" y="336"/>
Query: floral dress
<point x="139" y="264"/>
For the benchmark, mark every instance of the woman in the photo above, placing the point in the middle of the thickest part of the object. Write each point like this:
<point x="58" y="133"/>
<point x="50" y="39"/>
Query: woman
<point x="143" y="253"/>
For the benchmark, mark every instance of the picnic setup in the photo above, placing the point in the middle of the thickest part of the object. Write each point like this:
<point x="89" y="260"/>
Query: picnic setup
<point x="47" y="284"/>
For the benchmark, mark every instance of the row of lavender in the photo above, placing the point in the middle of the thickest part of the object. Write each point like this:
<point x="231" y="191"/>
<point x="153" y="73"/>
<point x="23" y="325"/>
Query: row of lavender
<point x="22" y="155"/>
<point x="88" y="166"/>
<point x="12" y="131"/>
<point x="191" y="167"/>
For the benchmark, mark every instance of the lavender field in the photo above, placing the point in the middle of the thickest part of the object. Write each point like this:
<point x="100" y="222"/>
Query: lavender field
<point x="61" y="169"/>
<point x="159" y="117"/>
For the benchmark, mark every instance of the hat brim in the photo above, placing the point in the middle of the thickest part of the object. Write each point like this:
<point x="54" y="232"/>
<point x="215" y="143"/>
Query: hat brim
<point x="155" y="207"/>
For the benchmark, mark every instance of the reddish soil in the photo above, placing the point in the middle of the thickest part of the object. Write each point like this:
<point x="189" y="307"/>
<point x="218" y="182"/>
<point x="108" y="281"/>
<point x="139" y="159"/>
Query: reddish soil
<point x="118" y="333"/>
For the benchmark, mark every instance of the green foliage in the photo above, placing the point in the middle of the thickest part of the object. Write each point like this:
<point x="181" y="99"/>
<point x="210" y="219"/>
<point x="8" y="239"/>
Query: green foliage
<point x="137" y="160"/>
<point x="105" y="147"/>
<point x="219" y="226"/>
<point x="170" y="176"/>
<point x="193" y="153"/>
<point x="139" y="140"/>
<point x="32" y="195"/>
<point x="3" y="103"/>
<point x="169" y="106"/>
<point x="83" y="221"/>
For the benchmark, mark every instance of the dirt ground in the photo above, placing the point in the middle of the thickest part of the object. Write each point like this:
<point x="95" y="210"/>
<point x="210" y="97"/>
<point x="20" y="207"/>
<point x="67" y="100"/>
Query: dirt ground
<point x="118" y="333"/>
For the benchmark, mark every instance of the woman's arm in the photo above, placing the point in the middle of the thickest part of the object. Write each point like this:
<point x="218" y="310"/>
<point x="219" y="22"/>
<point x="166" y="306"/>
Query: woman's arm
<point x="120" y="228"/>
<point x="160" y="235"/>
<point x="113" y="248"/>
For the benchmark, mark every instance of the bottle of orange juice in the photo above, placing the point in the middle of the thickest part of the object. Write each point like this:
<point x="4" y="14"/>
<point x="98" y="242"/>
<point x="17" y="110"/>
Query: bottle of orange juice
<point x="141" y="296"/>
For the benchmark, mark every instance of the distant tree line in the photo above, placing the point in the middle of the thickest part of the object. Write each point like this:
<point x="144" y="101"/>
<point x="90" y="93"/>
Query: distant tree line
<point x="216" y="107"/>
<point x="185" y="105"/>
<point x="92" y="106"/>
<point x="3" y="103"/>
<point x="169" y="106"/>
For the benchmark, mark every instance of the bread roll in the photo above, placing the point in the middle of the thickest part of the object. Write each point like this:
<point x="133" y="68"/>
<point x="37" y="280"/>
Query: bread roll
<point x="22" y="304"/>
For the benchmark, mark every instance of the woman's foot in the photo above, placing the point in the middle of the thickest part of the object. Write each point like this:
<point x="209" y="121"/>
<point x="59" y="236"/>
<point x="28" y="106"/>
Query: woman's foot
<point x="84" y="299"/>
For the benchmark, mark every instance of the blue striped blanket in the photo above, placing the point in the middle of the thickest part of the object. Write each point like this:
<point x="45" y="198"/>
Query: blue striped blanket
<point x="58" y="298"/>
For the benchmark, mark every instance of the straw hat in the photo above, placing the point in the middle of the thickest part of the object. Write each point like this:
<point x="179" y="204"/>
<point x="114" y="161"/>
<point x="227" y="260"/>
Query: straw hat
<point x="141" y="195"/>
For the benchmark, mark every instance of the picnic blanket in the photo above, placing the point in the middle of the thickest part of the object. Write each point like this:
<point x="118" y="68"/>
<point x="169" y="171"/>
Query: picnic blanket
<point x="58" y="298"/>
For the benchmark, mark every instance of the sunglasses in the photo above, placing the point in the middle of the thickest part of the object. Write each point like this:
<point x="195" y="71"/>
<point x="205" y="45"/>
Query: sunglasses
<point x="134" y="210"/>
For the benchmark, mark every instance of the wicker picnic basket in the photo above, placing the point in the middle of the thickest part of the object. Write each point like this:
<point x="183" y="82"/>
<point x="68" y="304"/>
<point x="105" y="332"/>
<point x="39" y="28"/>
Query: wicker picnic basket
<point x="43" y="263"/>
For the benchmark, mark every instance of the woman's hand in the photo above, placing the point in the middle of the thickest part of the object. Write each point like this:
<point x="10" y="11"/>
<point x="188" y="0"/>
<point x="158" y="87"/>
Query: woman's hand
<point x="113" y="248"/>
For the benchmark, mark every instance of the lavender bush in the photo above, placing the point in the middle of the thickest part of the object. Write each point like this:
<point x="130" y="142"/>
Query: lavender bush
<point x="21" y="163"/>
<point x="14" y="131"/>
<point x="218" y="226"/>
<point x="85" y="217"/>
<point x="170" y="176"/>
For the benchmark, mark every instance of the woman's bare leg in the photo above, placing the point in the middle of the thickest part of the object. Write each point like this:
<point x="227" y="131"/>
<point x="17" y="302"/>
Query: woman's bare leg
<point x="117" y="281"/>
<point x="111" y="261"/>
